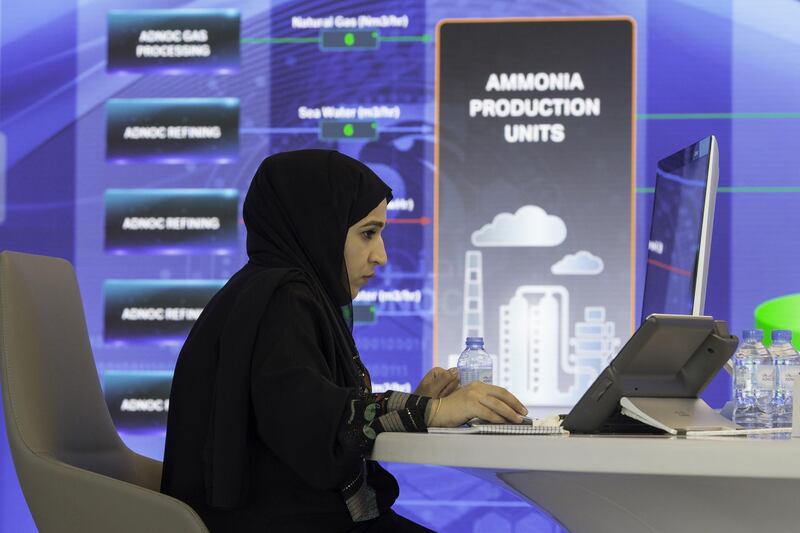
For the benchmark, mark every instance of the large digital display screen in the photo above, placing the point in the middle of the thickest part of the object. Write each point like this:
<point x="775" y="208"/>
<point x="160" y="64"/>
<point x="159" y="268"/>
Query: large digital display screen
<point x="129" y="132"/>
<point x="520" y="236"/>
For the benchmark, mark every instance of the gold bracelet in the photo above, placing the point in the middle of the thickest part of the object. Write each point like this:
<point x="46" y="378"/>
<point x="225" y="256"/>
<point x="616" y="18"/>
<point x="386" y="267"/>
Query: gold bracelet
<point x="438" y="405"/>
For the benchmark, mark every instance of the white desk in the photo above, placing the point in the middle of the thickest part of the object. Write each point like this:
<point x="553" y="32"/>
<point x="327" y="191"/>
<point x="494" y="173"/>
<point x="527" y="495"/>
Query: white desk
<point x="598" y="484"/>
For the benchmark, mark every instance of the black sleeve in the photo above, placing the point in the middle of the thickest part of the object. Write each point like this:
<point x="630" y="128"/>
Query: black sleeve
<point x="318" y="428"/>
<point x="367" y="417"/>
<point x="297" y="405"/>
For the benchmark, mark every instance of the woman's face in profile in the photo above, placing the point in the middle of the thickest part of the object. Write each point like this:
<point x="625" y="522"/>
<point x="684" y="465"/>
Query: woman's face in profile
<point x="363" y="248"/>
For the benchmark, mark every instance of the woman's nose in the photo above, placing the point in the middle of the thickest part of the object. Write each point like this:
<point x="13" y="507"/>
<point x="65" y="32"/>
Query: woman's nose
<point x="379" y="256"/>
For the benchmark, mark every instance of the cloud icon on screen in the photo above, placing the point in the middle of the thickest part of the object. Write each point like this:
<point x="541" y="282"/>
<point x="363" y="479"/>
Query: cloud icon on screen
<point x="529" y="226"/>
<point x="582" y="263"/>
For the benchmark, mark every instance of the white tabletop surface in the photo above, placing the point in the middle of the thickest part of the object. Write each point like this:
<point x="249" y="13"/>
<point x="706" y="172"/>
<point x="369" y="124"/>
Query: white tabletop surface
<point x="761" y="457"/>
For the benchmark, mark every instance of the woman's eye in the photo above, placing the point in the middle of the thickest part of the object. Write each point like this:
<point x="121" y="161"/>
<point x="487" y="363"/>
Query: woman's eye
<point x="368" y="234"/>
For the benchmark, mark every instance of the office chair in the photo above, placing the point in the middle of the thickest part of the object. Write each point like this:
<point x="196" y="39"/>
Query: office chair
<point x="76" y="473"/>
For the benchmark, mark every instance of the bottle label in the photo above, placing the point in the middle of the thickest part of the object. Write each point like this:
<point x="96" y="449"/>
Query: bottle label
<point x="468" y="376"/>
<point x="787" y="375"/>
<point x="742" y="375"/>
<point x="764" y="377"/>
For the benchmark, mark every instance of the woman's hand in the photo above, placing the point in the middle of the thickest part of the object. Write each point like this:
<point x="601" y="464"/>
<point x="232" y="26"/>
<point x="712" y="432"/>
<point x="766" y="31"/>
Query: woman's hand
<point x="438" y="383"/>
<point x="477" y="399"/>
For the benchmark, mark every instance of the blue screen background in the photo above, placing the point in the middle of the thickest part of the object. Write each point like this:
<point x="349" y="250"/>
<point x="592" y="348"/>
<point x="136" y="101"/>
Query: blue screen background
<point x="703" y="66"/>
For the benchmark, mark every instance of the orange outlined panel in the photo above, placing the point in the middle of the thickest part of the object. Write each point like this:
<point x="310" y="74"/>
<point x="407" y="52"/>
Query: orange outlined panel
<point x="509" y="155"/>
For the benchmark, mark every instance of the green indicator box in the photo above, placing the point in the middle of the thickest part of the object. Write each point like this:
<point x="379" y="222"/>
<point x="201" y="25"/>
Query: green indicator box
<point x="364" y="314"/>
<point x="343" y="130"/>
<point x="345" y="40"/>
<point x="779" y="313"/>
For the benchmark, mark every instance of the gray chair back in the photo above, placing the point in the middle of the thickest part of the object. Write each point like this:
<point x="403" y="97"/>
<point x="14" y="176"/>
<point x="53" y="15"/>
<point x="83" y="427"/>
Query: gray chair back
<point x="76" y="473"/>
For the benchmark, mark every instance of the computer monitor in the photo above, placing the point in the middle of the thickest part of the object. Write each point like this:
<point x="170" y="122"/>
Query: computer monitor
<point x="680" y="231"/>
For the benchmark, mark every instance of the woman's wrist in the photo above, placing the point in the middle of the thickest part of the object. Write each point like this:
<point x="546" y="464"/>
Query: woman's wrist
<point x="432" y="410"/>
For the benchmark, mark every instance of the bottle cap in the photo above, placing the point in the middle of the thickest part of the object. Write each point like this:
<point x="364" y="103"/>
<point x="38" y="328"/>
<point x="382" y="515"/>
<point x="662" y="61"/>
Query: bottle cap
<point x="753" y="334"/>
<point x="781" y="334"/>
<point x="472" y="341"/>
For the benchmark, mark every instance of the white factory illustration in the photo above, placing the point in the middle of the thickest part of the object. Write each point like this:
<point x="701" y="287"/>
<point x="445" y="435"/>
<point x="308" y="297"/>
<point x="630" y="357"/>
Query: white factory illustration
<point x="537" y="358"/>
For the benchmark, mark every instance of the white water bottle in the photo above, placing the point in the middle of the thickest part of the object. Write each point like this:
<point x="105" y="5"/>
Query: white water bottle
<point x="744" y="410"/>
<point x="474" y="364"/>
<point x="787" y="368"/>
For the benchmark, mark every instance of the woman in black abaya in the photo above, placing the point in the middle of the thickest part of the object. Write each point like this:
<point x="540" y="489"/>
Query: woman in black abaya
<point x="271" y="410"/>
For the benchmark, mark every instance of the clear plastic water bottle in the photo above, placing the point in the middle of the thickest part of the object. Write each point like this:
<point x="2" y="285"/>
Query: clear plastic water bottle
<point x="474" y="364"/>
<point x="787" y="368"/>
<point x="744" y="411"/>
<point x="763" y="381"/>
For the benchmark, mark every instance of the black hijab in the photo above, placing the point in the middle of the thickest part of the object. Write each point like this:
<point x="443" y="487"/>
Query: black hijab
<point x="299" y="208"/>
<point x="297" y="212"/>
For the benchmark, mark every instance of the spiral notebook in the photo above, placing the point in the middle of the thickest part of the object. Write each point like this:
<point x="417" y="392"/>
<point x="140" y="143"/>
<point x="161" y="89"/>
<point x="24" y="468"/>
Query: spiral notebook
<point x="544" y="426"/>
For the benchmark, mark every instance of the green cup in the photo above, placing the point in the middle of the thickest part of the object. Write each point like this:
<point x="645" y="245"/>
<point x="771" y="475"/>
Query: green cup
<point x="779" y="313"/>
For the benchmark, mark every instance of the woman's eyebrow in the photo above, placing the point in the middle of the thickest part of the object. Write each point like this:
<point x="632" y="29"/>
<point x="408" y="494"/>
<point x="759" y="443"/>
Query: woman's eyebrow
<point x="378" y="223"/>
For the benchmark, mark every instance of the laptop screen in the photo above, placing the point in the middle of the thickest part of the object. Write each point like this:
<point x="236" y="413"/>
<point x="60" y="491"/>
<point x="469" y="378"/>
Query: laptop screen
<point x="677" y="231"/>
